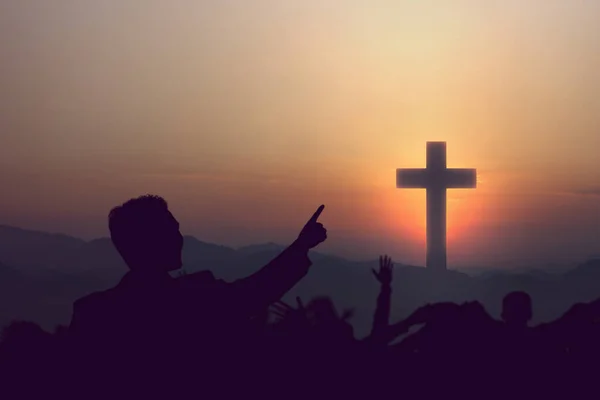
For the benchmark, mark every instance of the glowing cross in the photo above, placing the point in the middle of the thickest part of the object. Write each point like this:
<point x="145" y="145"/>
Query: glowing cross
<point x="436" y="178"/>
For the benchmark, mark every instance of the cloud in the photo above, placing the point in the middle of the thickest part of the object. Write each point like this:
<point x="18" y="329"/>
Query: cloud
<point x="191" y="176"/>
<point x="213" y="176"/>
<point x="585" y="191"/>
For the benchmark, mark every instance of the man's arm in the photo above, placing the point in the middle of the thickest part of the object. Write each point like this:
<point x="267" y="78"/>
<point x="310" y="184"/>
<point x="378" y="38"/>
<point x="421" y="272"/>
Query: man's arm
<point x="272" y="281"/>
<point x="382" y="312"/>
<point x="256" y="292"/>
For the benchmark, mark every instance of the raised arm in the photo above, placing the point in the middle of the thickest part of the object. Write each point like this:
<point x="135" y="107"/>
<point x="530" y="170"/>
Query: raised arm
<point x="258" y="291"/>
<point x="382" y="312"/>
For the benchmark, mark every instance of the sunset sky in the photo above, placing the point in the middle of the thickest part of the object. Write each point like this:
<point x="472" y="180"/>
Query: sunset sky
<point x="247" y="115"/>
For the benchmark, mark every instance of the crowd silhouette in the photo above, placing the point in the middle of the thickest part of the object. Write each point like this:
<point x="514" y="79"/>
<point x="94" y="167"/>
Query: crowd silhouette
<point x="154" y="334"/>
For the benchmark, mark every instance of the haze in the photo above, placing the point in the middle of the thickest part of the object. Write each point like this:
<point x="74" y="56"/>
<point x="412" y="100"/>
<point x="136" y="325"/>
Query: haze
<point x="246" y="115"/>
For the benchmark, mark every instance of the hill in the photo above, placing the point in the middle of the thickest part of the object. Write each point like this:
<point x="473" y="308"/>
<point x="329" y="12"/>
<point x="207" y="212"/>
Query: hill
<point x="41" y="275"/>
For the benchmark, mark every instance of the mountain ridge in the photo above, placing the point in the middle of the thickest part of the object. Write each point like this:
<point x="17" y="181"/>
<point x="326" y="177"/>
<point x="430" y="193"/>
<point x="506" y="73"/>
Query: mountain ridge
<point x="42" y="277"/>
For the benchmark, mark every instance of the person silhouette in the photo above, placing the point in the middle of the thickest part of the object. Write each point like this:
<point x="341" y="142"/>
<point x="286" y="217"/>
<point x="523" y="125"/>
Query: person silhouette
<point x="150" y="315"/>
<point x="509" y="347"/>
<point x="518" y="347"/>
<point x="516" y="314"/>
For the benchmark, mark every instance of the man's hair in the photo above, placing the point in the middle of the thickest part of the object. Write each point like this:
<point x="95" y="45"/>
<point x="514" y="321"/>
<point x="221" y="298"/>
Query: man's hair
<point x="133" y="221"/>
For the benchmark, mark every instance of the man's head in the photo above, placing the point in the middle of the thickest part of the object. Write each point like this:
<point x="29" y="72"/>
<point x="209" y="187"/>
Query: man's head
<point x="146" y="234"/>
<point x="516" y="309"/>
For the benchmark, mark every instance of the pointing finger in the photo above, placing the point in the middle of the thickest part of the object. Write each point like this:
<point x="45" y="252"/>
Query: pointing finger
<point x="316" y="215"/>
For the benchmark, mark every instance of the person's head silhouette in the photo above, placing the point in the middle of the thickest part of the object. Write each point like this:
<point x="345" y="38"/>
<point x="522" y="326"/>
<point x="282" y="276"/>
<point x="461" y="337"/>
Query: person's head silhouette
<point x="146" y="235"/>
<point x="516" y="309"/>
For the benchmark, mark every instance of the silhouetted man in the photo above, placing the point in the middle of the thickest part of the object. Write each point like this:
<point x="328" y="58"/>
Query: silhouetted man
<point x="150" y="315"/>
<point x="516" y="314"/>
<point x="521" y="356"/>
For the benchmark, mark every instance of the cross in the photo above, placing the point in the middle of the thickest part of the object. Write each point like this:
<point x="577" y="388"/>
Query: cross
<point x="436" y="178"/>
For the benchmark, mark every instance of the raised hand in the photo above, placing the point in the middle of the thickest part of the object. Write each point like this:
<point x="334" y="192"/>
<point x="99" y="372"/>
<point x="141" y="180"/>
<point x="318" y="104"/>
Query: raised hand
<point x="313" y="232"/>
<point x="386" y="268"/>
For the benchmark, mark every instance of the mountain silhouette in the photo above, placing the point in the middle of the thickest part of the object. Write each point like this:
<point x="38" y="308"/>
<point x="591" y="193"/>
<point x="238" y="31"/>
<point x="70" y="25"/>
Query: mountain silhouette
<point x="260" y="248"/>
<point x="41" y="274"/>
<point x="590" y="267"/>
<point x="33" y="250"/>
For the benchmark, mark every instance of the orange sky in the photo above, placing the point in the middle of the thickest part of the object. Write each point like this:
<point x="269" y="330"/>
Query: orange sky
<point x="246" y="116"/>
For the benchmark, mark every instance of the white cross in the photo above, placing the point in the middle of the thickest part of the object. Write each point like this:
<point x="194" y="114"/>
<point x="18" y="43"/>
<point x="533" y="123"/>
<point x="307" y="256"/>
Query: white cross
<point x="436" y="178"/>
